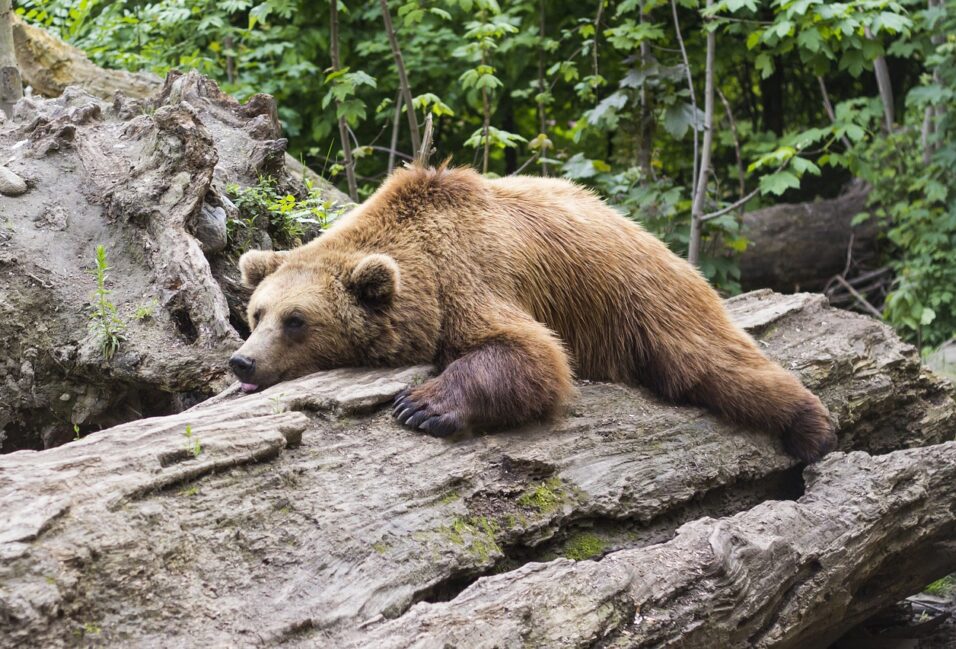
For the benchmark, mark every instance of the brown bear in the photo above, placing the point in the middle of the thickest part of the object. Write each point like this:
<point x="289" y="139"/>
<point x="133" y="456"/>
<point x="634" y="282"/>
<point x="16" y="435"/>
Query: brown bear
<point x="510" y="286"/>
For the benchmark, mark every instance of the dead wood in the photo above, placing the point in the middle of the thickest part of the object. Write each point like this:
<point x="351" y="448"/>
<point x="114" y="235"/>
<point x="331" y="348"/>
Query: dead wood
<point x="50" y="65"/>
<point x="147" y="180"/>
<point x="303" y="515"/>
<point x="801" y="246"/>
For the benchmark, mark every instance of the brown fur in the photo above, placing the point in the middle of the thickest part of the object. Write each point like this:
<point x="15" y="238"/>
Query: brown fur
<point x="506" y="284"/>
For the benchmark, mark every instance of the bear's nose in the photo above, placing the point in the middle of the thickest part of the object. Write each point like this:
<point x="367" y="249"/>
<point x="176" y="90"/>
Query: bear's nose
<point x="242" y="366"/>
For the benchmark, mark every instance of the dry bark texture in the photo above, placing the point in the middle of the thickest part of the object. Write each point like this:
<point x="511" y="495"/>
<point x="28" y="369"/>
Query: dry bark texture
<point x="146" y="179"/>
<point x="308" y="518"/>
<point x="801" y="246"/>
<point x="50" y="65"/>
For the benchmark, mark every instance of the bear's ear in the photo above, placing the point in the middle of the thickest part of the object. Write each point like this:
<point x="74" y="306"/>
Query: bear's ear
<point x="256" y="265"/>
<point x="374" y="280"/>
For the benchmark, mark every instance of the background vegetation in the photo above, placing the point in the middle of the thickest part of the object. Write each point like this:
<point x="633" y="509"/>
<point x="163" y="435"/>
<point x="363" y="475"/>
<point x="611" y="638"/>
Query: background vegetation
<point x="806" y="95"/>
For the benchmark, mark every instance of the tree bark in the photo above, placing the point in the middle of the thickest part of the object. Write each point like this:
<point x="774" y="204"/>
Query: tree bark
<point x="801" y="246"/>
<point x="303" y="515"/>
<point x="783" y="575"/>
<point x="885" y="86"/>
<point x="49" y="65"/>
<point x="700" y="192"/>
<point x="148" y="180"/>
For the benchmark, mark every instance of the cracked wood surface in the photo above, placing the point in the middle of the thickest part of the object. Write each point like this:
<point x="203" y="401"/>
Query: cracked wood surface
<point x="308" y="518"/>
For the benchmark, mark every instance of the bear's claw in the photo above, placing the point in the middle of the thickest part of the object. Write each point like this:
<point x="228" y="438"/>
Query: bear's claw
<point x="422" y="416"/>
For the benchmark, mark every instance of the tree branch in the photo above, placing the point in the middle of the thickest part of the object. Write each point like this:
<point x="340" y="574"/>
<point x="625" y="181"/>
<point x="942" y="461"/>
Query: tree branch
<point x="343" y="127"/>
<point x="827" y="106"/>
<point x="690" y="81"/>
<point x="741" y="172"/>
<point x="395" y="122"/>
<point x="425" y="152"/>
<point x="402" y="77"/>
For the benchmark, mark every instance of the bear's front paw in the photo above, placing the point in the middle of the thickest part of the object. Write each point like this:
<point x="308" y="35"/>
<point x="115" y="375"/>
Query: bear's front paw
<point x="416" y="409"/>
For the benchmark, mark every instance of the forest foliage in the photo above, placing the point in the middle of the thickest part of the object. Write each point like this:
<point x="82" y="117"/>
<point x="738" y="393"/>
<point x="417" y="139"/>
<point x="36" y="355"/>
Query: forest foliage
<point x="808" y="95"/>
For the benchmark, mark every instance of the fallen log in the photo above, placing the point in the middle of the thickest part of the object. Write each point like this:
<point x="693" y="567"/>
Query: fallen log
<point x="801" y="246"/>
<point x="303" y="515"/>
<point x="868" y="531"/>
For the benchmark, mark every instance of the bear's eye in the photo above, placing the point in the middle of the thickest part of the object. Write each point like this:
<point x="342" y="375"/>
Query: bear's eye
<point x="294" y="322"/>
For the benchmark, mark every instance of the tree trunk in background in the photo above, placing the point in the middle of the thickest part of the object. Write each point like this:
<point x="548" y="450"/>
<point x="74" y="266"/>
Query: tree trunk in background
<point x="648" y="121"/>
<point x="801" y="246"/>
<point x="542" y="120"/>
<point x="885" y="86"/>
<point x="343" y="126"/>
<point x="11" y="86"/>
<point x="690" y="84"/>
<point x="508" y="122"/>
<point x="700" y="193"/>
<point x="772" y="91"/>
<point x="306" y="517"/>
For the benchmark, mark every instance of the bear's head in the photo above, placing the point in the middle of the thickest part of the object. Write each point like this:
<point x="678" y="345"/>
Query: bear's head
<point x="314" y="313"/>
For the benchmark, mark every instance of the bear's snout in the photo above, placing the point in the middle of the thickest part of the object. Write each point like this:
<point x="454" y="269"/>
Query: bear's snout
<point x="242" y="366"/>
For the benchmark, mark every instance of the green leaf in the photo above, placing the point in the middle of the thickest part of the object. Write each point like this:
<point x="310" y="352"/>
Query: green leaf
<point x="802" y="166"/>
<point x="860" y="218"/>
<point x="778" y="183"/>
<point x="891" y="23"/>
<point x="578" y="167"/>
<point x="782" y="29"/>
<point x="809" y="39"/>
<point x="764" y="64"/>
<point x="678" y="118"/>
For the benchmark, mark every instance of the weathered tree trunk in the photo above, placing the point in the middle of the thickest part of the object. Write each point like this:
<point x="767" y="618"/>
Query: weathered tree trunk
<point x="799" y="574"/>
<point x="49" y="66"/>
<point x="801" y="246"/>
<point x="146" y="179"/>
<point x="303" y="515"/>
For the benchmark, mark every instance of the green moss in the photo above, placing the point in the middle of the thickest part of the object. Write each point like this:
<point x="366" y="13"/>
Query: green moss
<point x="545" y="497"/>
<point x="449" y="498"/>
<point x="942" y="587"/>
<point x="381" y="547"/>
<point x="583" y="545"/>
<point x="476" y="533"/>
<point x="189" y="491"/>
<point x="88" y="628"/>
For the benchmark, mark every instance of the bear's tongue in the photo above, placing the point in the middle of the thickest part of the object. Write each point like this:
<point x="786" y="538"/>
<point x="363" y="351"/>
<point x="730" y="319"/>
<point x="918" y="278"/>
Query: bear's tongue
<point x="248" y="387"/>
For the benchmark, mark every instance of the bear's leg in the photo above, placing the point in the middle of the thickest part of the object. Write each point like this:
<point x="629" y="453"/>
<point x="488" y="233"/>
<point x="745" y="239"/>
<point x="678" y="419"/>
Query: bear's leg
<point x="759" y="393"/>
<point x="515" y="372"/>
